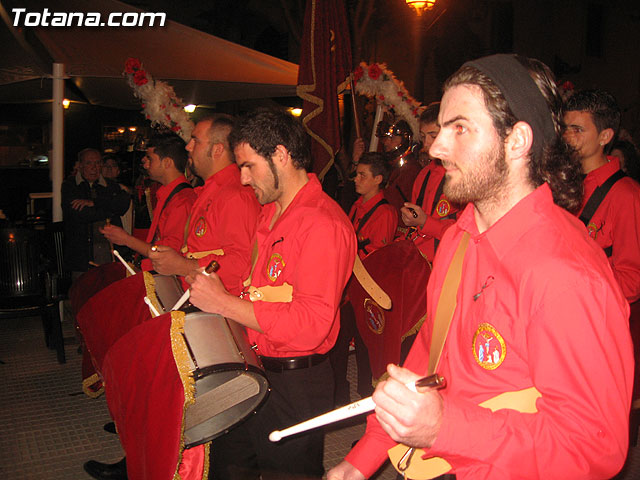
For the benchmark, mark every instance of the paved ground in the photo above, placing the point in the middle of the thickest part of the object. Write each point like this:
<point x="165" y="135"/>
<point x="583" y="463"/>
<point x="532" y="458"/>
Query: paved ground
<point x="49" y="428"/>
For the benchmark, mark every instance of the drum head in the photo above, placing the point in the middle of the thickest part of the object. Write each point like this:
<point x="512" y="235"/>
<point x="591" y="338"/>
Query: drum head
<point x="223" y="400"/>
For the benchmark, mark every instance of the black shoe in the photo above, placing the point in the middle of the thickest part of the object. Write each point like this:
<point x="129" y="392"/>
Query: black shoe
<point x="107" y="471"/>
<point x="110" y="427"/>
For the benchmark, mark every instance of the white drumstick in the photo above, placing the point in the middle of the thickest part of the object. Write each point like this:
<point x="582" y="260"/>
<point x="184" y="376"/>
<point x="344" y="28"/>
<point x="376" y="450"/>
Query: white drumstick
<point x="212" y="267"/>
<point x="126" y="265"/>
<point x="151" y="307"/>
<point x="342" y="413"/>
<point x="367" y="404"/>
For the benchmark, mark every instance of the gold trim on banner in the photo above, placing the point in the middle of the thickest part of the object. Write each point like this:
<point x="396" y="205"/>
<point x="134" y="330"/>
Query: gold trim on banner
<point x="150" y="287"/>
<point x="87" y="382"/>
<point x="181" y="359"/>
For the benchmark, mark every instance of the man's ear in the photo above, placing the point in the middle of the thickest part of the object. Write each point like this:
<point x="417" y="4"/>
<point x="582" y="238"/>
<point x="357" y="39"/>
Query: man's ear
<point x="605" y="136"/>
<point x="217" y="149"/>
<point x="519" y="142"/>
<point x="378" y="180"/>
<point x="281" y="155"/>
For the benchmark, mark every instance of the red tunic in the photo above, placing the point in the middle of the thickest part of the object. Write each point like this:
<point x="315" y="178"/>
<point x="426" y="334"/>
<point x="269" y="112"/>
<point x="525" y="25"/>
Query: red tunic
<point x="224" y="217"/>
<point x="616" y="224"/>
<point x="550" y="315"/>
<point x="168" y="228"/>
<point x="438" y="218"/>
<point x="379" y="229"/>
<point x="312" y="247"/>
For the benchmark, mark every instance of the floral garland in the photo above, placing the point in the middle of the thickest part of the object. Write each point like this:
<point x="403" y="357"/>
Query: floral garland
<point x="159" y="101"/>
<point x="376" y="81"/>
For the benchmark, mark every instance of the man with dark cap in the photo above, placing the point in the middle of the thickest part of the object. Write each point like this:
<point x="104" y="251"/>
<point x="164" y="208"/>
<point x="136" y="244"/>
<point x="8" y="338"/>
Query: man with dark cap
<point x="538" y="361"/>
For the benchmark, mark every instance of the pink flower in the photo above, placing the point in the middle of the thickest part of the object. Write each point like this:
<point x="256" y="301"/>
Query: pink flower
<point x="140" y="78"/>
<point x="375" y="71"/>
<point x="131" y="65"/>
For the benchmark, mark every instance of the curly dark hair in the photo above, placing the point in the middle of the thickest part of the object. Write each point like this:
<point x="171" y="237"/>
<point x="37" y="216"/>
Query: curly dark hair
<point x="264" y="129"/>
<point x="554" y="165"/>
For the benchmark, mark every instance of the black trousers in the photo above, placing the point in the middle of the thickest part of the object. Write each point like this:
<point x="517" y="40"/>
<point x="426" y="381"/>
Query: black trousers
<point x="245" y="453"/>
<point x="339" y="358"/>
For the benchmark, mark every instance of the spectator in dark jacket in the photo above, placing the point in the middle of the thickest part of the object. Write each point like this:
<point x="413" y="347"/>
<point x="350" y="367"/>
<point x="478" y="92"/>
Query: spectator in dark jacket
<point x="88" y="200"/>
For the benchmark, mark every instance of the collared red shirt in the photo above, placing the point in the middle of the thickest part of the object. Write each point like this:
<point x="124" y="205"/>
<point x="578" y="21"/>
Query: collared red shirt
<point x="380" y="227"/>
<point x="438" y="218"/>
<point x="537" y="306"/>
<point x="312" y="247"/>
<point x="224" y="216"/>
<point x="616" y="224"/>
<point x="169" y="221"/>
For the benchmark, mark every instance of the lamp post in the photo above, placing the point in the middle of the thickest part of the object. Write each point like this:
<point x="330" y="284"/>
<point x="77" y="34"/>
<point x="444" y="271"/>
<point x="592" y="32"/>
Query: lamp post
<point x="421" y="28"/>
<point x="421" y="6"/>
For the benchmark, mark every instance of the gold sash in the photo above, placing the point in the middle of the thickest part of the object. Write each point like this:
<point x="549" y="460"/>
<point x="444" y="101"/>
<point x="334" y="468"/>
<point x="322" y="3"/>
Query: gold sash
<point x="524" y="401"/>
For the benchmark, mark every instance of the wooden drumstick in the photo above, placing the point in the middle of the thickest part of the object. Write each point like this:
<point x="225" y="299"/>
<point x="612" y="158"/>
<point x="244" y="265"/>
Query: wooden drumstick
<point x="126" y="265"/>
<point x="365" y="405"/>
<point x="212" y="267"/>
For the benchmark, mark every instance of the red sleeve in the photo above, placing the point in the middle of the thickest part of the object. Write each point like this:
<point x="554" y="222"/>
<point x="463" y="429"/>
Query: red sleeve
<point x="324" y="255"/>
<point x="625" y="232"/>
<point x="235" y="232"/>
<point x="435" y="227"/>
<point x="579" y="353"/>
<point x="174" y="218"/>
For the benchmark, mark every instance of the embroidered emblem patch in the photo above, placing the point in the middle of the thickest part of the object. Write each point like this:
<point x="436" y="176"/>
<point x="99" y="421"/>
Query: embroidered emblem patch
<point x="200" y="227"/>
<point x="592" y="228"/>
<point x="275" y="266"/>
<point x="374" y="316"/>
<point x="489" y="348"/>
<point x="443" y="208"/>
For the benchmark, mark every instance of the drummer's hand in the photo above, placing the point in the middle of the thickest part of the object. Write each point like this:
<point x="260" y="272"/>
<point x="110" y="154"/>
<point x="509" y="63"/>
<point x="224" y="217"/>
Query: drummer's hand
<point x="114" y="234"/>
<point x="345" y="471"/>
<point x="166" y="261"/>
<point x="411" y="220"/>
<point x="408" y="417"/>
<point x="207" y="291"/>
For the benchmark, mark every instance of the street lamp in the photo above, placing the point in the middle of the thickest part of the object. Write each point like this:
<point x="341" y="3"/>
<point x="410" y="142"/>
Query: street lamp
<point x="421" y="5"/>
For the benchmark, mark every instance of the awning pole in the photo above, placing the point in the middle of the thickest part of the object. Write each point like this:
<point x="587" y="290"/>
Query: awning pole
<point x="56" y="164"/>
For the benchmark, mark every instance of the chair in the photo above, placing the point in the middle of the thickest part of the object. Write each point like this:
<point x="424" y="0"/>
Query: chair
<point x="25" y="287"/>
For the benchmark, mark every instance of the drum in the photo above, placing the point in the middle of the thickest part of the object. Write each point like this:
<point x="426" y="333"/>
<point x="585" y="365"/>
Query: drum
<point x="230" y="381"/>
<point x="168" y="291"/>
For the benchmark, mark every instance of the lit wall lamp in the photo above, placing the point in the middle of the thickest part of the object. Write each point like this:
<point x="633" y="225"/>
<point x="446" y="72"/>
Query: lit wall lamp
<point x="65" y="103"/>
<point x="190" y="108"/>
<point x="421" y="5"/>
<point x="296" y="112"/>
<point x="121" y="130"/>
<point x="133" y="129"/>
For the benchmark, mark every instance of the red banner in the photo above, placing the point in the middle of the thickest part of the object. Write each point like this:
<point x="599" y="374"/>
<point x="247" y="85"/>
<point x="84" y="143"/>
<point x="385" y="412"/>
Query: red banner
<point x="146" y="399"/>
<point x="325" y="66"/>
<point x="106" y="317"/>
<point x="401" y="271"/>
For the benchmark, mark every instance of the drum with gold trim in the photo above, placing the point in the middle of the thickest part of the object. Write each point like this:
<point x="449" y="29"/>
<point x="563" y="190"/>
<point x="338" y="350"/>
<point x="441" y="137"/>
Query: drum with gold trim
<point x="230" y="381"/>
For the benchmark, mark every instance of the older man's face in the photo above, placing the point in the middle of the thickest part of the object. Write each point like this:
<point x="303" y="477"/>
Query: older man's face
<point x="91" y="166"/>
